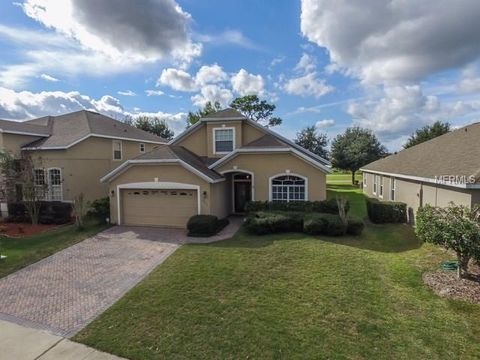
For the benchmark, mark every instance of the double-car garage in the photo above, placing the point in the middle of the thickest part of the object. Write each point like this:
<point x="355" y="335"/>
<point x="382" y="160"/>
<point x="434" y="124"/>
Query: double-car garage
<point x="165" y="205"/>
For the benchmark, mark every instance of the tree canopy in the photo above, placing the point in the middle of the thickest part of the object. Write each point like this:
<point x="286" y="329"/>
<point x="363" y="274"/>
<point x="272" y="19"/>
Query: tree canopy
<point x="355" y="148"/>
<point x="313" y="141"/>
<point x="153" y="125"/>
<point x="209" y="108"/>
<point x="427" y="133"/>
<point x="257" y="110"/>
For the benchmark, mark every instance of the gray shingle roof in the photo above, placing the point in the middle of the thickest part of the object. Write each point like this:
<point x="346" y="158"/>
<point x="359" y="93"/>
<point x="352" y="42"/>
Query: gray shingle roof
<point x="456" y="153"/>
<point x="65" y="130"/>
<point x="172" y="152"/>
<point x="226" y="114"/>
<point x="23" y="127"/>
<point x="266" y="141"/>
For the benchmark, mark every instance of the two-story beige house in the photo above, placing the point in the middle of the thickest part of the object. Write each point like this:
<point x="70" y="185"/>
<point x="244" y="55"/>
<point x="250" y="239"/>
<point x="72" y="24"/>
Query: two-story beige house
<point x="439" y="171"/>
<point x="215" y="167"/>
<point x="72" y="152"/>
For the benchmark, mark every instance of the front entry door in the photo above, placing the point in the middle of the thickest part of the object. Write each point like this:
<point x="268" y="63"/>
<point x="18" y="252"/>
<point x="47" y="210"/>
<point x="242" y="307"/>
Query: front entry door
<point x="242" y="195"/>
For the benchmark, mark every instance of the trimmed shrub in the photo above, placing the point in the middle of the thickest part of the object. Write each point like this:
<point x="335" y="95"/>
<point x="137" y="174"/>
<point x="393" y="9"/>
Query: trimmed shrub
<point x="100" y="209"/>
<point x="381" y="212"/>
<point x="326" y="206"/>
<point x="355" y="226"/>
<point x="324" y="224"/>
<point x="264" y="222"/>
<point x="205" y="225"/>
<point x="51" y="212"/>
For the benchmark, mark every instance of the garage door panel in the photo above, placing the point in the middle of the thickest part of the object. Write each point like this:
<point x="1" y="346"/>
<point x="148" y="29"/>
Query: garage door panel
<point x="158" y="207"/>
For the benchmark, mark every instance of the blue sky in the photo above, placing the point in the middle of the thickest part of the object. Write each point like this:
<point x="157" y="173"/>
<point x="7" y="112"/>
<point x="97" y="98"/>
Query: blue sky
<point x="388" y="66"/>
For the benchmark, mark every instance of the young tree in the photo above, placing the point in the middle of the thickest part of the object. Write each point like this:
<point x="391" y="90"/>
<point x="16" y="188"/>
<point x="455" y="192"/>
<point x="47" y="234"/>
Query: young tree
<point x="209" y="108"/>
<point x="255" y="109"/>
<point x="455" y="228"/>
<point x="355" y="148"/>
<point x="315" y="142"/>
<point x="153" y="125"/>
<point x="80" y="208"/>
<point x="427" y="133"/>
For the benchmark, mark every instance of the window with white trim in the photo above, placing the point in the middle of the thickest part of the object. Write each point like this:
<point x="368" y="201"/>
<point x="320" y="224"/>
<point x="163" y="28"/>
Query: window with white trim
<point x="117" y="150"/>
<point x="39" y="177"/>
<point x="375" y="179"/>
<point x="223" y="140"/>
<point x="393" y="185"/>
<point x="142" y="147"/>
<point x="55" y="192"/>
<point x="286" y="188"/>
<point x="381" y="187"/>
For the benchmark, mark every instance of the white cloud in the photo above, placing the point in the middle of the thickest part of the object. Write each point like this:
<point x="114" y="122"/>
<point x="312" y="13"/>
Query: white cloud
<point x="245" y="83"/>
<point x="470" y="81"/>
<point x="212" y="93"/>
<point x="177" y="79"/>
<point x="226" y="37"/>
<point x="210" y="74"/>
<point x="48" y="78"/>
<point x="23" y="105"/>
<point x="402" y="109"/>
<point x="307" y="85"/>
<point x="150" y="30"/>
<point x="277" y="60"/>
<point x="326" y="123"/>
<point x="126" y="93"/>
<point x="394" y="41"/>
<point x="306" y="64"/>
<point x="154" y="92"/>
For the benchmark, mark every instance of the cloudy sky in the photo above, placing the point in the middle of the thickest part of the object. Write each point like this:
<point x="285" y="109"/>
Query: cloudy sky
<point x="391" y="66"/>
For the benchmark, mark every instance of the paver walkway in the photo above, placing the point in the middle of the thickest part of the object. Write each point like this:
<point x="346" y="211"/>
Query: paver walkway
<point x="64" y="292"/>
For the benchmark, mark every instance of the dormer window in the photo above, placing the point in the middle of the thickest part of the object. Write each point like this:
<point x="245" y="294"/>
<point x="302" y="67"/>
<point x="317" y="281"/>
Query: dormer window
<point x="117" y="150"/>
<point x="223" y="140"/>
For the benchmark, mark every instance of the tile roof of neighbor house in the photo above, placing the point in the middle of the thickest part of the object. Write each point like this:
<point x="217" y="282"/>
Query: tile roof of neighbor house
<point x="456" y="153"/>
<point x="65" y="130"/>
<point x="23" y="127"/>
<point x="173" y="152"/>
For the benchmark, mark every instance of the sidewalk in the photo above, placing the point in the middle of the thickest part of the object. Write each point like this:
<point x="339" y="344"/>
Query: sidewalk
<point x="22" y="343"/>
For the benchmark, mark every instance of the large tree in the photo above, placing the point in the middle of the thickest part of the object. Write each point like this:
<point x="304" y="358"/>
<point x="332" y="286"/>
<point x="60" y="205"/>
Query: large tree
<point x="255" y="109"/>
<point x="153" y="125"/>
<point x="355" y="148"/>
<point x="427" y="133"/>
<point x="209" y="108"/>
<point x="313" y="141"/>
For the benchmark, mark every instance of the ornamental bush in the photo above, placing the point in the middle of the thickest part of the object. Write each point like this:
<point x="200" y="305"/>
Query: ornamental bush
<point x="324" y="224"/>
<point x="100" y="209"/>
<point x="205" y="225"/>
<point x="270" y="222"/>
<point x="329" y="206"/>
<point x="381" y="212"/>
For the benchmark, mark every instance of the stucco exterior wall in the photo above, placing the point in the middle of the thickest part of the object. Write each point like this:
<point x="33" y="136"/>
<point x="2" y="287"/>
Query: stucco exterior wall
<point x="196" y="141"/>
<point x="164" y="172"/>
<point x="12" y="143"/>
<point x="85" y="163"/>
<point x="220" y="199"/>
<point x="265" y="166"/>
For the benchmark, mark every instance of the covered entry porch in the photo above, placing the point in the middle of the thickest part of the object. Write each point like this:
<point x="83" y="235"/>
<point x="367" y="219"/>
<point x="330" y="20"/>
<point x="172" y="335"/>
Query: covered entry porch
<point x="240" y="190"/>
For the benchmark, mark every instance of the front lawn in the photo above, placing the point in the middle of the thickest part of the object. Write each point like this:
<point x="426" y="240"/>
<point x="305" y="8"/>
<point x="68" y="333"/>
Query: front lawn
<point x="25" y="251"/>
<point x="292" y="296"/>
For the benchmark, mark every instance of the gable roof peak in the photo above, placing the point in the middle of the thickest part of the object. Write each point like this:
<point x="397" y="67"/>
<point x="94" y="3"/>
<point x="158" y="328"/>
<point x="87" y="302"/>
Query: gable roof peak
<point x="225" y="114"/>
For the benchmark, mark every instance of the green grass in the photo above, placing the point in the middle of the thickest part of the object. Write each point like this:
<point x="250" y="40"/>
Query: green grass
<point x="343" y="178"/>
<point x="25" y="251"/>
<point x="292" y="296"/>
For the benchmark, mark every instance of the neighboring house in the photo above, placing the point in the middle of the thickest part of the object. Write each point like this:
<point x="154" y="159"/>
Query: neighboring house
<point x="214" y="167"/>
<point x="443" y="170"/>
<point x="71" y="152"/>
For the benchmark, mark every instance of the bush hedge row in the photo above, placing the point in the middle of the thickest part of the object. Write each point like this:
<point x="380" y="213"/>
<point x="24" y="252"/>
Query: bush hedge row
<point x="205" y="225"/>
<point x="381" y="212"/>
<point x="326" y="206"/>
<point x="100" y="209"/>
<point x="270" y="222"/>
<point x="51" y="212"/>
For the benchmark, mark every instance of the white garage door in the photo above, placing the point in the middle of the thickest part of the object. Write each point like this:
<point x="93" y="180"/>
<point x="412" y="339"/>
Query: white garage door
<point x="170" y="208"/>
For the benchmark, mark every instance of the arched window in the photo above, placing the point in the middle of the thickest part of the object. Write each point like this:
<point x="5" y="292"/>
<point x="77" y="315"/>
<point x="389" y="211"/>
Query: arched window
<point x="288" y="188"/>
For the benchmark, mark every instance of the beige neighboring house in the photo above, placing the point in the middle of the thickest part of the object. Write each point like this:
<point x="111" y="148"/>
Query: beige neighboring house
<point x="72" y="152"/>
<point x="215" y="167"/>
<point x="443" y="170"/>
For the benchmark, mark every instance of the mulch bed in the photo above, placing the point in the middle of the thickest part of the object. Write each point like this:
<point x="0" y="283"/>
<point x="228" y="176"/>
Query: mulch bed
<point x="18" y="230"/>
<point x="446" y="284"/>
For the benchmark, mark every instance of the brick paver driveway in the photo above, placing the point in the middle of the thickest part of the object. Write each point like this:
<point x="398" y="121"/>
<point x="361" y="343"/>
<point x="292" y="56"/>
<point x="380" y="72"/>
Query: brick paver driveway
<point x="64" y="292"/>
